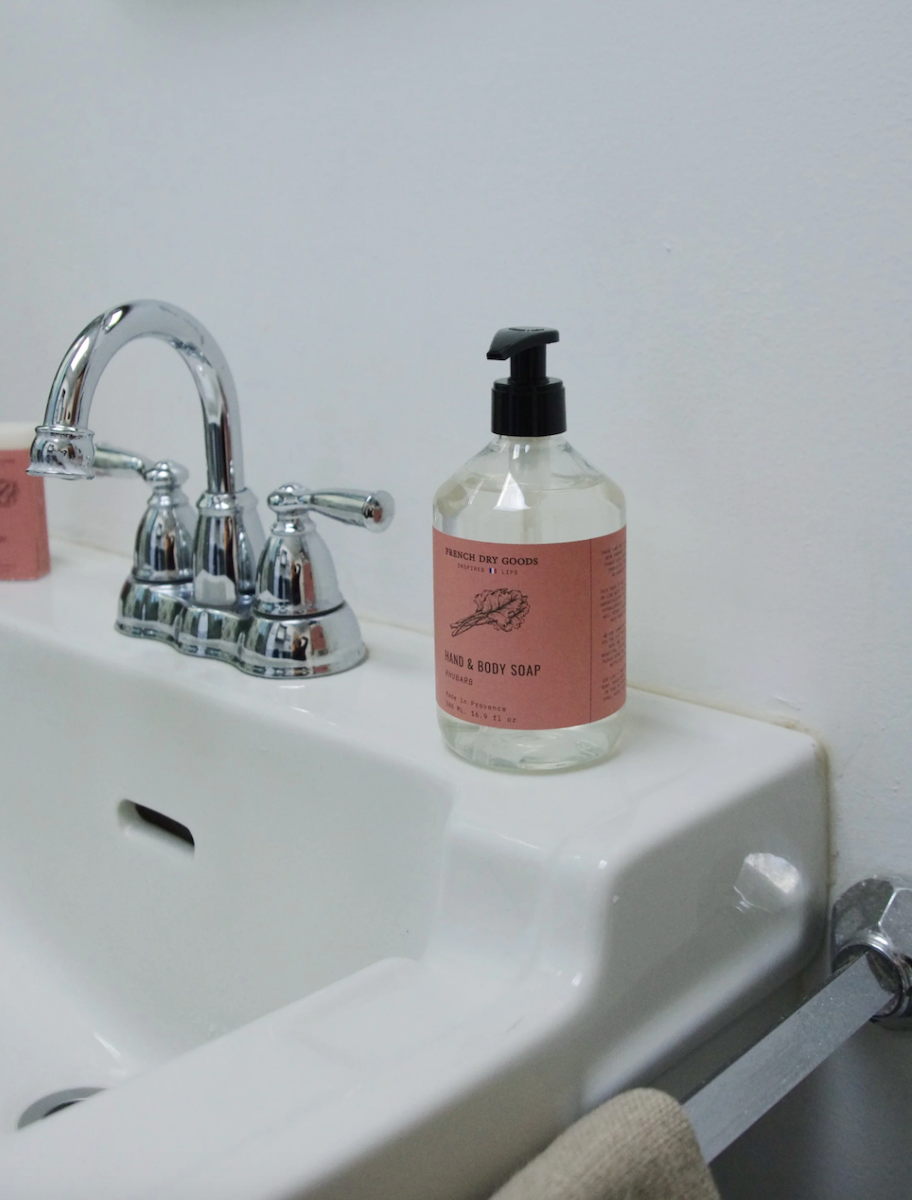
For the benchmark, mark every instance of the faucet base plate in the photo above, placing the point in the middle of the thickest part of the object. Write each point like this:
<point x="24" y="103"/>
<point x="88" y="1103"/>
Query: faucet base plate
<point x="151" y="610"/>
<point x="211" y="632"/>
<point x="269" y="647"/>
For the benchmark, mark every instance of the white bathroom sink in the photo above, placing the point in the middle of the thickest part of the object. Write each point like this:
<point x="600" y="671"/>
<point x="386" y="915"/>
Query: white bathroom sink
<point x="378" y="971"/>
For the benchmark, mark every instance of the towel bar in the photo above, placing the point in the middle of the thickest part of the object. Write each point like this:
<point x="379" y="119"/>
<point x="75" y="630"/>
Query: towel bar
<point x="871" y="957"/>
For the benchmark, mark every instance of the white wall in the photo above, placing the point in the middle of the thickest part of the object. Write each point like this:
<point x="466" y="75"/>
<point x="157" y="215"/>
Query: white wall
<point x="712" y="202"/>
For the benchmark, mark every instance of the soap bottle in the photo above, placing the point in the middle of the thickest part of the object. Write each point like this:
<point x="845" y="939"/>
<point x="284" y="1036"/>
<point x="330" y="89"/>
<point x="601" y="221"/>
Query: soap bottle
<point x="529" y="584"/>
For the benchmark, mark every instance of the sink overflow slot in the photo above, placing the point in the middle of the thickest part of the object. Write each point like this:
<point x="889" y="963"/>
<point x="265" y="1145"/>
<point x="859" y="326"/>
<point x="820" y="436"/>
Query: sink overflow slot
<point x="54" y="1103"/>
<point x="140" y="816"/>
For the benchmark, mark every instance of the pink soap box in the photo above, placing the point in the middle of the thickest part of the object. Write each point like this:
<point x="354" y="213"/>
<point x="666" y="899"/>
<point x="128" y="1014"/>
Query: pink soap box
<point x="23" y="520"/>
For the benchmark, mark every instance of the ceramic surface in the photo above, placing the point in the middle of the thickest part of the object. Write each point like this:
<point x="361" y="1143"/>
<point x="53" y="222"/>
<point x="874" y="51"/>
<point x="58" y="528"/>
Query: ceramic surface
<point x="378" y="971"/>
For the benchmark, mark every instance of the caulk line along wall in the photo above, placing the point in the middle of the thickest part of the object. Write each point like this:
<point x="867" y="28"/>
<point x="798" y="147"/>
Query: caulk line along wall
<point x="711" y="202"/>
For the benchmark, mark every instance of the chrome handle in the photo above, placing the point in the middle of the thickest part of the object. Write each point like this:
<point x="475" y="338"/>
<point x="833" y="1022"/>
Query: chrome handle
<point x="111" y="461"/>
<point x="163" y="549"/>
<point x="163" y="477"/>
<point x="369" y="510"/>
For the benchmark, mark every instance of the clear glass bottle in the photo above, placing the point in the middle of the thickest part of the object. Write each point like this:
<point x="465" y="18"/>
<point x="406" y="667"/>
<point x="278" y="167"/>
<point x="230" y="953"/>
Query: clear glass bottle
<point x="525" y="490"/>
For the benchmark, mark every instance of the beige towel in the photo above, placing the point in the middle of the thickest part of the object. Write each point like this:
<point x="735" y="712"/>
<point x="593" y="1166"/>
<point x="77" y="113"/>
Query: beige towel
<point x="638" y="1146"/>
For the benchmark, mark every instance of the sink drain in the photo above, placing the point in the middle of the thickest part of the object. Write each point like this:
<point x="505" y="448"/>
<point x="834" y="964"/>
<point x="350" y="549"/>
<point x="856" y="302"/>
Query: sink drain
<point x="54" y="1103"/>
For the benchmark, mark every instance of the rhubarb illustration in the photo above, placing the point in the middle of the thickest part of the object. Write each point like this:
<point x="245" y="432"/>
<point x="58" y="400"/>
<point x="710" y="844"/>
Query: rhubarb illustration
<point x="501" y="607"/>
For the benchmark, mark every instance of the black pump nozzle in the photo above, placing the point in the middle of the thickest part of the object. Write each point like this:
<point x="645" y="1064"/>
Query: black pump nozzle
<point x="525" y="348"/>
<point x="529" y="403"/>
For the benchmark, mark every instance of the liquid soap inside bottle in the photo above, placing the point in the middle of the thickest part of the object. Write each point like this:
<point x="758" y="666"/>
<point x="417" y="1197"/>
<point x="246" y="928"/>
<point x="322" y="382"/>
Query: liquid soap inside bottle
<point x="529" y="574"/>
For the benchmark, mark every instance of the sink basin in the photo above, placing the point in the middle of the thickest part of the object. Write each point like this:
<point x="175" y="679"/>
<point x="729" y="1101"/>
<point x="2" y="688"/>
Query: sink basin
<point x="301" y="950"/>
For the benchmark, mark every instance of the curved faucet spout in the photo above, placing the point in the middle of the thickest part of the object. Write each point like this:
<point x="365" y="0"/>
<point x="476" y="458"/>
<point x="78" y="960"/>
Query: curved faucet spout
<point x="229" y="536"/>
<point x="63" y="445"/>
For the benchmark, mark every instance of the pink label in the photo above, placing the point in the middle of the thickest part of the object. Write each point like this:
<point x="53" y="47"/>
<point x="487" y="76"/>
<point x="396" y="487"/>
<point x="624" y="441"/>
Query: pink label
<point x="23" y="523"/>
<point x="530" y="637"/>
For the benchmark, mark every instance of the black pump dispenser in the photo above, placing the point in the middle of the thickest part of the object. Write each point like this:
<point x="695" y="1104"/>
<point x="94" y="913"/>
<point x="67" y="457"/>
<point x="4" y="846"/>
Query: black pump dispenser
<point x="529" y="403"/>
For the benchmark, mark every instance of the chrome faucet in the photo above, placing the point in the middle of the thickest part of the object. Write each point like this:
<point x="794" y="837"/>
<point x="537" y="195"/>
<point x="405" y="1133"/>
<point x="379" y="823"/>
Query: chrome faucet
<point x="198" y="589"/>
<point x="229" y="537"/>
